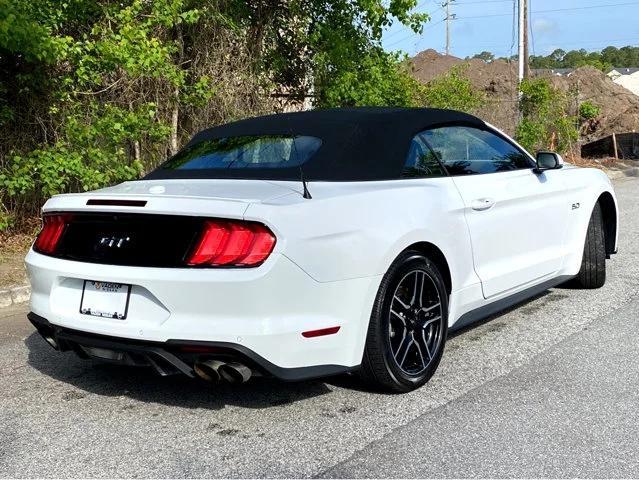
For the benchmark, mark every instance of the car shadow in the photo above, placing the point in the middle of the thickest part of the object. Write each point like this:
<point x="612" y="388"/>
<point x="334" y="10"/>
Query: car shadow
<point x="523" y="306"/>
<point x="143" y="384"/>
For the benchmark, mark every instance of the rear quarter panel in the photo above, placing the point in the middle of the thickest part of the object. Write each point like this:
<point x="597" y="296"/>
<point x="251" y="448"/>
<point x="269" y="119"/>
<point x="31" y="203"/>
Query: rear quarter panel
<point x="351" y="230"/>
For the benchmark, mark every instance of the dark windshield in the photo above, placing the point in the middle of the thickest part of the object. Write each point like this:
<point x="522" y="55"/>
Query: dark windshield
<point x="263" y="151"/>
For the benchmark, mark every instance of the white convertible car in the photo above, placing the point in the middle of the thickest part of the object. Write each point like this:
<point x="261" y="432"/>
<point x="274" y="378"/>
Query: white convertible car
<point x="310" y="244"/>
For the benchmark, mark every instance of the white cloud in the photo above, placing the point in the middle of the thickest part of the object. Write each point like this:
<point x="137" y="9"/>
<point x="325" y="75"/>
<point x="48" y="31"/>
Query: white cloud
<point x="543" y="25"/>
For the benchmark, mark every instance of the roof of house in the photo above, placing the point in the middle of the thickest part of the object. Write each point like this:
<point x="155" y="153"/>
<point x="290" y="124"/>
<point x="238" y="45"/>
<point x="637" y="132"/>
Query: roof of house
<point x="562" y="71"/>
<point x="555" y="71"/>
<point x="624" y="70"/>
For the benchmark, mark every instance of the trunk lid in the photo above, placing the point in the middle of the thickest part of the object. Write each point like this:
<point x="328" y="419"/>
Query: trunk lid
<point x="246" y="191"/>
<point x="212" y="198"/>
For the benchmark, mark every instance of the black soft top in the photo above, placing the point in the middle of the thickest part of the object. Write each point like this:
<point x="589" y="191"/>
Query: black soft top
<point x="366" y="143"/>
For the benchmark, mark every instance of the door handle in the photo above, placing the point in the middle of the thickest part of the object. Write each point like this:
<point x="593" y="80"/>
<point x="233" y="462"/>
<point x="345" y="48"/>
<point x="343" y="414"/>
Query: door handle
<point x="481" y="204"/>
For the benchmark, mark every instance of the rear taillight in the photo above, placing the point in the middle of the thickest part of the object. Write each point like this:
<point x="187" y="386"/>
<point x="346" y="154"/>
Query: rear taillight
<point x="52" y="230"/>
<point x="232" y="243"/>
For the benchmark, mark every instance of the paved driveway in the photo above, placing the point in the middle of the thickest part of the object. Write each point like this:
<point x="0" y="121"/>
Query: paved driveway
<point x="546" y="389"/>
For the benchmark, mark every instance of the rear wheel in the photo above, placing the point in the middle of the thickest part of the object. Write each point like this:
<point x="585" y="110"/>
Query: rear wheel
<point x="593" y="264"/>
<point x="408" y="325"/>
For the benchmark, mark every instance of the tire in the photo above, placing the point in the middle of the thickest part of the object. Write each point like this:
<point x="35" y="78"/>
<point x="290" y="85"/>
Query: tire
<point x="389" y="333"/>
<point x="593" y="264"/>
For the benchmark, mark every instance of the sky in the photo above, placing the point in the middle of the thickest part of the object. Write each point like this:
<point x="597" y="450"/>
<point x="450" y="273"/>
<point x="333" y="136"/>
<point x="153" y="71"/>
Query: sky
<point x="488" y="25"/>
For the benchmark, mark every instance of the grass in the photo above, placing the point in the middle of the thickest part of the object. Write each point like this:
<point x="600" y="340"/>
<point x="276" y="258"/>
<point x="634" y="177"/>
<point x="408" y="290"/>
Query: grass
<point x="601" y="163"/>
<point x="13" y="248"/>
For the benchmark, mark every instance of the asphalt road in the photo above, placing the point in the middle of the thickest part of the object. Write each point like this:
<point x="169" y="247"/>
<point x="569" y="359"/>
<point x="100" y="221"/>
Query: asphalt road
<point x="548" y="389"/>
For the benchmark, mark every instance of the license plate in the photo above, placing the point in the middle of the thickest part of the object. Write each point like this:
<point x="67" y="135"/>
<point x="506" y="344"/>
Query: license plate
<point x="105" y="299"/>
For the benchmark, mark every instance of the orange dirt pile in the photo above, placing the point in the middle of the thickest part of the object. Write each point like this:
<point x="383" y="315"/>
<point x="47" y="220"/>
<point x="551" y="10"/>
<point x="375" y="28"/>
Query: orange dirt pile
<point x="498" y="81"/>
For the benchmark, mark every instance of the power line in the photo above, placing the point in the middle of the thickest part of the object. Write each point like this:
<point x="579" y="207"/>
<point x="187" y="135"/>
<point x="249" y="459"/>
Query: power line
<point x="415" y="34"/>
<point x="532" y="35"/>
<point x="511" y="73"/>
<point x="420" y="5"/>
<point x="555" y="10"/>
<point x="483" y="2"/>
<point x="587" y="7"/>
<point x="449" y="17"/>
<point x="513" y="36"/>
<point x="580" y="42"/>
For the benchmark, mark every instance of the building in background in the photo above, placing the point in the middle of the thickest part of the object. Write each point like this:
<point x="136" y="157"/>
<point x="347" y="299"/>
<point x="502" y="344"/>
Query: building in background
<point x="626" y="77"/>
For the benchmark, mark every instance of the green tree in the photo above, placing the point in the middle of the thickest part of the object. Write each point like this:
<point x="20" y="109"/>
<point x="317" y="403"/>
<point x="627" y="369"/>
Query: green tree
<point x="604" y="60"/>
<point x="93" y="92"/>
<point x="545" y="122"/>
<point x="452" y="90"/>
<point x="485" y="56"/>
<point x="381" y="80"/>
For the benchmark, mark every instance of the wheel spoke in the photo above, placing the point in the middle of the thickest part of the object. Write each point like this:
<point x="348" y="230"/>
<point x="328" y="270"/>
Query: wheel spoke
<point x="399" y="316"/>
<point x="403" y="349"/>
<point x="421" y="356"/>
<point x="418" y="289"/>
<point x="432" y="307"/>
<point x="431" y="321"/>
<point x="405" y="306"/>
<point x="425" y="342"/>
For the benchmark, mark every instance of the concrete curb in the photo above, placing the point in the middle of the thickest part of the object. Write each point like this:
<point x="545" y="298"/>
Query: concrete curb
<point x="15" y="295"/>
<point x="626" y="172"/>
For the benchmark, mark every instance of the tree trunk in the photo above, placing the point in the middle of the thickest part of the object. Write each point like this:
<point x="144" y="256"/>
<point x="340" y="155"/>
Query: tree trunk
<point x="136" y="150"/>
<point x="175" y="113"/>
<point x="175" y="117"/>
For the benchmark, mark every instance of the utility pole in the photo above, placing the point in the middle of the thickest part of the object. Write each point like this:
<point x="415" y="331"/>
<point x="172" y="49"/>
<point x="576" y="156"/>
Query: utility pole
<point x="449" y="17"/>
<point x="526" y="63"/>
<point x="521" y="54"/>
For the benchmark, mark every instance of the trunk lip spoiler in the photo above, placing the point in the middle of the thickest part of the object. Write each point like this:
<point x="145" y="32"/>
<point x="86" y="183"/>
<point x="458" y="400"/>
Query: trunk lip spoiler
<point x="114" y="202"/>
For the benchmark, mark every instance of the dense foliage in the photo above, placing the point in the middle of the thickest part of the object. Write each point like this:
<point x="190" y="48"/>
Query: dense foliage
<point x="452" y="90"/>
<point x="588" y="111"/>
<point x="605" y="59"/>
<point x="546" y="123"/>
<point x="93" y="92"/>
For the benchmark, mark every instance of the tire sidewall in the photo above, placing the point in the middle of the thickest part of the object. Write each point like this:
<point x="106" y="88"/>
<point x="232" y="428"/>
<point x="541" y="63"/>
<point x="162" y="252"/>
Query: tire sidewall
<point x="404" y="265"/>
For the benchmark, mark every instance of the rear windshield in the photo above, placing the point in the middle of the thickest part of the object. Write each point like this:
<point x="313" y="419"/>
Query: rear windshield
<point x="255" y="151"/>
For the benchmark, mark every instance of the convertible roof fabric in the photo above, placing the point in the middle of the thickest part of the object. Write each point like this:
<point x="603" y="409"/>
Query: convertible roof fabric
<point x="358" y="144"/>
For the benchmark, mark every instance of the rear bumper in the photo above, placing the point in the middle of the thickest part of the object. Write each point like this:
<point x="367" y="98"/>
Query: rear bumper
<point x="170" y="357"/>
<point x="260" y="312"/>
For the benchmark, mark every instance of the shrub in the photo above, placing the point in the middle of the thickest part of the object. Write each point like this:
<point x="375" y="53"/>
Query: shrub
<point x="378" y="79"/>
<point x="588" y="110"/>
<point x="452" y="90"/>
<point x="545" y="123"/>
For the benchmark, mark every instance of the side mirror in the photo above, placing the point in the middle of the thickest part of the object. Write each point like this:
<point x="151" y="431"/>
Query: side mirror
<point x="548" y="161"/>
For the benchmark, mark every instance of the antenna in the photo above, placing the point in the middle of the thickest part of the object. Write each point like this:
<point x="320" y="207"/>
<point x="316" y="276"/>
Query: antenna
<point x="306" y="193"/>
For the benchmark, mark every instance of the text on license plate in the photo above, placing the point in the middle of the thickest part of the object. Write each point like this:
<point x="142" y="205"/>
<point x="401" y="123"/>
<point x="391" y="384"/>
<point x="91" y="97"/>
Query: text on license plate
<point x="105" y="299"/>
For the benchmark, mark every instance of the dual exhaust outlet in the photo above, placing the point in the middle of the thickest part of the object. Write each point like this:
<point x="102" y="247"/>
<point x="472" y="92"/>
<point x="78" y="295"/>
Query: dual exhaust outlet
<point x="216" y="370"/>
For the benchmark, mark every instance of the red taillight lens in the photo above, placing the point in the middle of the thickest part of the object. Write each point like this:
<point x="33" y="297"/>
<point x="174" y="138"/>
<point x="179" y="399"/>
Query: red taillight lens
<point x="52" y="229"/>
<point x="232" y="243"/>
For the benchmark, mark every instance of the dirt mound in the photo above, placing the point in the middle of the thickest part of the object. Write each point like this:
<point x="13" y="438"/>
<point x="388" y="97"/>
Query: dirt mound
<point x="498" y="81"/>
<point x="429" y="64"/>
<point x="619" y="106"/>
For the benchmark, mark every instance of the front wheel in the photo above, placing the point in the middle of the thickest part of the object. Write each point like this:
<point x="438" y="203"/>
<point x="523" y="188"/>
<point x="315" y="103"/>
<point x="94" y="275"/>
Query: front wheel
<point x="408" y="326"/>
<point x="593" y="264"/>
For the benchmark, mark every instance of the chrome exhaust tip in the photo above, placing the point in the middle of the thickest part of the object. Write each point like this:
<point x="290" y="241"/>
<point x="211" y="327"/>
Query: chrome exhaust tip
<point x="208" y="370"/>
<point x="235" y="372"/>
<point x="51" y="341"/>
